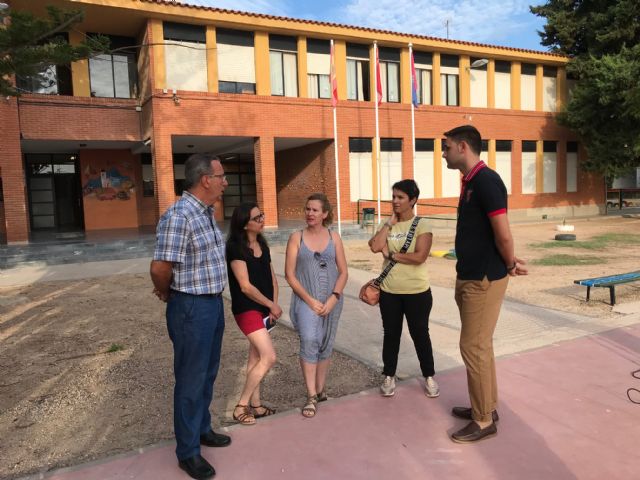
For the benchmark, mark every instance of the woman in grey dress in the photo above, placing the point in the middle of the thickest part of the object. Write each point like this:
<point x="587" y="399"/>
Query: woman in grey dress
<point x="316" y="270"/>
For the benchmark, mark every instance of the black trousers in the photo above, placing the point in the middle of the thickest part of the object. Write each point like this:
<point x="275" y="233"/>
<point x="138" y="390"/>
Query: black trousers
<point x="416" y="307"/>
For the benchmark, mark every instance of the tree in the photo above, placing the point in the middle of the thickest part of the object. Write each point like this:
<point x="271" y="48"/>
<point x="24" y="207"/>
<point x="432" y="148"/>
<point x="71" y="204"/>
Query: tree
<point x="602" y="37"/>
<point x="29" y="44"/>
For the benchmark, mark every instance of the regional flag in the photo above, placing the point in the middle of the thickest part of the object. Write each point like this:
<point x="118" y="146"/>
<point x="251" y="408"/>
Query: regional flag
<point x="414" y="84"/>
<point x="378" y="78"/>
<point x="334" y="81"/>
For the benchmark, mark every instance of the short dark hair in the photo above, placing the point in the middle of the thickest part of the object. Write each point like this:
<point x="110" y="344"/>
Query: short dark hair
<point x="408" y="186"/>
<point x="326" y="207"/>
<point x="196" y="166"/>
<point x="469" y="134"/>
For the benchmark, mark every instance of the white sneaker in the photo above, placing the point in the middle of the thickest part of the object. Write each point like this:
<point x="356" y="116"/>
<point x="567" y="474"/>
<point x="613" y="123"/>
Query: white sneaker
<point x="431" y="388"/>
<point x="388" y="387"/>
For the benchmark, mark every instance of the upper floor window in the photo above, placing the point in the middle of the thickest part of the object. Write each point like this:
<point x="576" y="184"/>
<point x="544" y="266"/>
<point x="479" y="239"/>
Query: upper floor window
<point x="423" y="62"/>
<point x="390" y="74"/>
<point x="114" y="74"/>
<point x="549" y="85"/>
<point x="318" y="68"/>
<point x="50" y="79"/>
<point x="236" y="61"/>
<point x="478" y="83"/>
<point x="502" y="84"/>
<point x="528" y="86"/>
<point x="449" y="85"/>
<point x="185" y="56"/>
<point x="358" y="72"/>
<point x="283" y="59"/>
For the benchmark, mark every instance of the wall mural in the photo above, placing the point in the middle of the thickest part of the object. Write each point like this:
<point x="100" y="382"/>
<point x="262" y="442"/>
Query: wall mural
<point x="110" y="184"/>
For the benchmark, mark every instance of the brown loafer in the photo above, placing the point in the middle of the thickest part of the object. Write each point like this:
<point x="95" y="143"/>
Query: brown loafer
<point x="465" y="413"/>
<point x="473" y="433"/>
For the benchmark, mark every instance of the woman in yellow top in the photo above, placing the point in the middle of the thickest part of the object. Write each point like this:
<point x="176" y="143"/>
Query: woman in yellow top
<point x="405" y="291"/>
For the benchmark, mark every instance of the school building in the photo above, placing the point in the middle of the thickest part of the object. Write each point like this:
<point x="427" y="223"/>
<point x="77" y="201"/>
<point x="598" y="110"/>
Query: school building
<point x="101" y="143"/>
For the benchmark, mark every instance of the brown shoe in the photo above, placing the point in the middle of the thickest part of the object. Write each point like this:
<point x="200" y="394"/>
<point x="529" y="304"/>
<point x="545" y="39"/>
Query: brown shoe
<point x="465" y="413"/>
<point x="473" y="433"/>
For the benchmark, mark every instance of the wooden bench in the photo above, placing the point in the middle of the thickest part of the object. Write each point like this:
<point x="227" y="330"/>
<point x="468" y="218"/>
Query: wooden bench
<point x="610" y="282"/>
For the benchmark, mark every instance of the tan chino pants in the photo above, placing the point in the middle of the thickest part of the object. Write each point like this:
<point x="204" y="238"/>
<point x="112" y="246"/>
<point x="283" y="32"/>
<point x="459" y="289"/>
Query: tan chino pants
<point x="479" y="302"/>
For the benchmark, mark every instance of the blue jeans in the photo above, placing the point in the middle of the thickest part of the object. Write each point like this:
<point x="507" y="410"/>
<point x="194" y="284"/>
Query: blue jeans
<point x="196" y="325"/>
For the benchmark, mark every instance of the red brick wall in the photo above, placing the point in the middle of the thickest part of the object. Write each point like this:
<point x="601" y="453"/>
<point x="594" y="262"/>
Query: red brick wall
<point x="301" y="172"/>
<point x="274" y="117"/>
<point x="16" y="210"/>
<point x="48" y="117"/>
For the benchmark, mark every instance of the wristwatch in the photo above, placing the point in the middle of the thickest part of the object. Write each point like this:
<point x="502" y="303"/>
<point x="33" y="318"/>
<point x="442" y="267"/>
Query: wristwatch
<point x="338" y="295"/>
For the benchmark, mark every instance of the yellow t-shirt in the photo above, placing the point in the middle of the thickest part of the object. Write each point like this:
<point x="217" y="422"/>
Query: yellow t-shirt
<point x="406" y="279"/>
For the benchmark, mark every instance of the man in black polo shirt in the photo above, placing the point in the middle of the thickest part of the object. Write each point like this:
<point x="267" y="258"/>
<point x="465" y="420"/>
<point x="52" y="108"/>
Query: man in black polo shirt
<point x="486" y="259"/>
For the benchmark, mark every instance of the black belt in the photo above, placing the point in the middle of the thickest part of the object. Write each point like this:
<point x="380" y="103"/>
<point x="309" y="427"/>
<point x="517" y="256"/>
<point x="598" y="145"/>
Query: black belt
<point x="212" y="295"/>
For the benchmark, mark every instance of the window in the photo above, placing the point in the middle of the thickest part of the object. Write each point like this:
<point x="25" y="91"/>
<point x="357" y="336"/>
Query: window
<point x="423" y="64"/>
<point x="478" y="87"/>
<point x="236" y="61"/>
<point x="449" y="71"/>
<point x="529" y="166"/>
<point x="423" y="167"/>
<point x="358" y="72"/>
<point x="502" y="84"/>
<point x="572" y="167"/>
<point x="503" y="162"/>
<point x="549" y="84"/>
<point x="360" y="169"/>
<point x="147" y="175"/>
<point x="51" y="79"/>
<point x="318" y="68"/>
<point x="390" y="165"/>
<point x="528" y="87"/>
<point x="283" y="60"/>
<point x="185" y="56"/>
<point x="451" y="179"/>
<point x="114" y="75"/>
<point x="549" y="166"/>
<point x="390" y="74"/>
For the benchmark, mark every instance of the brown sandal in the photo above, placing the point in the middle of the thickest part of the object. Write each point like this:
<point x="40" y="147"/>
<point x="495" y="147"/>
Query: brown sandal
<point x="245" y="417"/>
<point x="309" y="410"/>
<point x="266" y="411"/>
<point x="322" y="396"/>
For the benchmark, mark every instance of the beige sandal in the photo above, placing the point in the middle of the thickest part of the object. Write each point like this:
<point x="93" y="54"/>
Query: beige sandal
<point x="245" y="417"/>
<point x="309" y="410"/>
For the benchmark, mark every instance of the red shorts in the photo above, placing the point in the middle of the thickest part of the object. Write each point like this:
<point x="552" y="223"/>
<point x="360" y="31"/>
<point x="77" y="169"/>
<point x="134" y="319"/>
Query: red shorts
<point x="250" y="321"/>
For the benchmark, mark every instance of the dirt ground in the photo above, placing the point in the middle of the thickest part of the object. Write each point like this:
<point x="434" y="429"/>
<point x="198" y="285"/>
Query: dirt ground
<point x="547" y="286"/>
<point x="64" y="399"/>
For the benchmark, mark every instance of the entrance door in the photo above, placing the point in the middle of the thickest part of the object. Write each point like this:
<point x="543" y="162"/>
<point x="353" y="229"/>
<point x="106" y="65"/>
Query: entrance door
<point x="54" y="192"/>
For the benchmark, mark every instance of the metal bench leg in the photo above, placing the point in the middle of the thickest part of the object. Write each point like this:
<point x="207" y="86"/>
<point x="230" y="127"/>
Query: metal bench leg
<point x="588" y="293"/>
<point x="612" y="295"/>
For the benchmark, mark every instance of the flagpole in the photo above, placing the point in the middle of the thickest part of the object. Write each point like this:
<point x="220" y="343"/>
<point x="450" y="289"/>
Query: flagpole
<point x="334" y="99"/>
<point x="413" y="124"/>
<point x="377" y="152"/>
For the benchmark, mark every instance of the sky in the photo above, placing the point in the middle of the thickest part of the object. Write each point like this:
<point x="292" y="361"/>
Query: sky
<point x="496" y="22"/>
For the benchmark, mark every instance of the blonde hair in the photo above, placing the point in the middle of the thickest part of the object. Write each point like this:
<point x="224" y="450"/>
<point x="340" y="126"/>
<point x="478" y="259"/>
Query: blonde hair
<point x="326" y="207"/>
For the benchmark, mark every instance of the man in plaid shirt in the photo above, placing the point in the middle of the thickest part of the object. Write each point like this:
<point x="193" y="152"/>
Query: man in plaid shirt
<point x="189" y="273"/>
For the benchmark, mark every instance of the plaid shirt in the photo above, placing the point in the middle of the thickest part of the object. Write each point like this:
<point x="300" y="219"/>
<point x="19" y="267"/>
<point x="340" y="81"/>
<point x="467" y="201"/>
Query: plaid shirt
<point x="187" y="236"/>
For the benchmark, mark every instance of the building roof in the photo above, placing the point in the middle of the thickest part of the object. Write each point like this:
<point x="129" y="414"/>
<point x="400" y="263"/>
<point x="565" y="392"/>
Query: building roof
<point x="353" y="27"/>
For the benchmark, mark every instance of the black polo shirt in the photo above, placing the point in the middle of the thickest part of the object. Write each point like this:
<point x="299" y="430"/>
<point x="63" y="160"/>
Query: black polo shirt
<point x="483" y="195"/>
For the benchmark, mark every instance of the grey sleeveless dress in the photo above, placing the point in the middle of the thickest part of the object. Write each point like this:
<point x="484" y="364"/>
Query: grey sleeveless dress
<point x="318" y="273"/>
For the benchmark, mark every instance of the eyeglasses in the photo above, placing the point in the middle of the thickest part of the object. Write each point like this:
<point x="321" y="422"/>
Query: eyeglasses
<point x="258" y="218"/>
<point x="221" y="177"/>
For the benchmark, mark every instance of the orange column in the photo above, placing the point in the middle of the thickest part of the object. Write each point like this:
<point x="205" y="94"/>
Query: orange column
<point x="162" y="157"/>
<point x="264" y="153"/>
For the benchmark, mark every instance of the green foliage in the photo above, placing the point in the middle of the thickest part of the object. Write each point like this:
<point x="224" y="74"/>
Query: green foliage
<point x="115" y="347"/>
<point x="28" y="44"/>
<point x="603" y="37"/>
<point x="599" y="242"/>
<point x="567" y="260"/>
